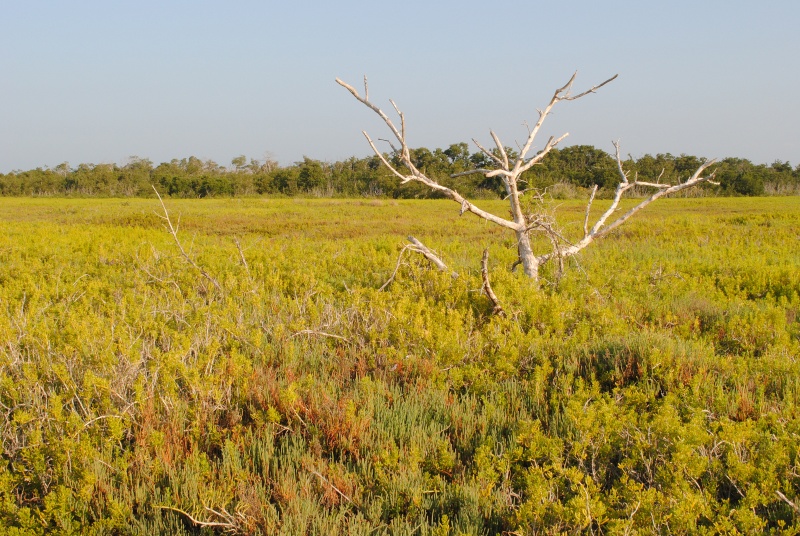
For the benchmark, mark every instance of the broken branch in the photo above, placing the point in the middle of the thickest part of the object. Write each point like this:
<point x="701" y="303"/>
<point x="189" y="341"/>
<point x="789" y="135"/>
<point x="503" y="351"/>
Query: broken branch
<point x="487" y="286"/>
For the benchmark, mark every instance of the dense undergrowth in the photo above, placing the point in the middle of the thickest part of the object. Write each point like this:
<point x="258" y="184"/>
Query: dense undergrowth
<point x="653" y="390"/>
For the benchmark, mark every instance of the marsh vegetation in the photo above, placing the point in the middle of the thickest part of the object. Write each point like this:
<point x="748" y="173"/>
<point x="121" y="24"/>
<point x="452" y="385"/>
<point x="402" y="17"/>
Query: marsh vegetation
<point x="653" y="389"/>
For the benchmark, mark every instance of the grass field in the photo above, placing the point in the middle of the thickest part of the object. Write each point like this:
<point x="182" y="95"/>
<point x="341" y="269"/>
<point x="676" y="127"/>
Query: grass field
<point x="654" y="389"/>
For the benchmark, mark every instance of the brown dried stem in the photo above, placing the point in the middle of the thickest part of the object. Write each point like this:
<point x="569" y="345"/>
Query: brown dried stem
<point x="173" y="230"/>
<point x="487" y="286"/>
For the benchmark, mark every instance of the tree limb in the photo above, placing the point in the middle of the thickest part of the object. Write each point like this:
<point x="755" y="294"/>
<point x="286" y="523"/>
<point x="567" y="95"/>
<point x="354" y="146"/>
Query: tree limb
<point x="404" y="154"/>
<point x="487" y="152"/>
<point x="419" y="247"/>
<point x="785" y="499"/>
<point x="601" y="229"/>
<point x="695" y="179"/>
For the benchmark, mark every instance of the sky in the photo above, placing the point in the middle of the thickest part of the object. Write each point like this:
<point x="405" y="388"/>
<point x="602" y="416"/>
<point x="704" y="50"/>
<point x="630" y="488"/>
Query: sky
<point x="102" y="81"/>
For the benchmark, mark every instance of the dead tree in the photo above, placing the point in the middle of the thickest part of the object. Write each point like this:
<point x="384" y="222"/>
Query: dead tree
<point x="510" y="171"/>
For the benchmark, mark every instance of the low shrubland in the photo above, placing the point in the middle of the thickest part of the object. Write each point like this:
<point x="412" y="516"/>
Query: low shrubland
<point x="652" y="389"/>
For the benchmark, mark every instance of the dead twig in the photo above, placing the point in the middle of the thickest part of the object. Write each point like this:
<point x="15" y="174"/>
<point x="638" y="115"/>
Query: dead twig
<point x="487" y="287"/>
<point x="334" y="488"/>
<point x="320" y="333"/>
<point x="229" y="525"/>
<point x="173" y="230"/>
<point x="241" y="256"/>
<point x="785" y="499"/>
<point x="420" y="248"/>
<point x="397" y="266"/>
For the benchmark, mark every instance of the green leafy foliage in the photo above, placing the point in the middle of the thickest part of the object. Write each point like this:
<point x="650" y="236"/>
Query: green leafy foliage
<point x="564" y="172"/>
<point x="655" y="390"/>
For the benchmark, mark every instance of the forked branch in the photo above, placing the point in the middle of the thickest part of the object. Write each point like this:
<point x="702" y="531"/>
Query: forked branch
<point x="601" y="228"/>
<point x="414" y="174"/>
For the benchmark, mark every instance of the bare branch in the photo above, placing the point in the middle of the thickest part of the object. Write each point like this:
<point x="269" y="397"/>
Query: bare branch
<point x="551" y="143"/>
<point x="785" y="499"/>
<point x="550" y="230"/>
<point x="566" y="87"/>
<point x="487" y="152"/>
<point x="366" y="102"/>
<point x="651" y="184"/>
<point x="402" y="121"/>
<point x="241" y="255"/>
<point x="481" y="171"/>
<point x="560" y="94"/>
<point x="600" y="229"/>
<point x="500" y="149"/>
<point x="403" y="179"/>
<point x="487" y="286"/>
<point x="622" y="187"/>
<point x="695" y="179"/>
<point x="622" y="173"/>
<point x="397" y="266"/>
<point x="228" y="525"/>
<point x="416" y="174"/>
<point x="419" y="247"/>
<point x="389" y="142"/>
<point x="174" y="232"/>
<point x="590" y="90"/>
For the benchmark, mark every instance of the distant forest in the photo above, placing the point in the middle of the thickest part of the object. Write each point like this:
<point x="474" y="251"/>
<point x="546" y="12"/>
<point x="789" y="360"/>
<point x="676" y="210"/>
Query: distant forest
<point x="570" y="168"/>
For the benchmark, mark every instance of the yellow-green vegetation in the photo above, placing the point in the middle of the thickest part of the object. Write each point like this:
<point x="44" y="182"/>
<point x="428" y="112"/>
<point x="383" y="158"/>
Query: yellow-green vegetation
<point x="653" y="390"/>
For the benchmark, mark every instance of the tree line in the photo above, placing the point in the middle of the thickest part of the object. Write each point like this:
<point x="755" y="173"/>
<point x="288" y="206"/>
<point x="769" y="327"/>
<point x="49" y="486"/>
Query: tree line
<point x="570" y="168"/>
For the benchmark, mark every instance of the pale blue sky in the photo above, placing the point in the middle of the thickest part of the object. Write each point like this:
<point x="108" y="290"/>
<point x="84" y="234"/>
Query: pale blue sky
<point x="99" y="81"/>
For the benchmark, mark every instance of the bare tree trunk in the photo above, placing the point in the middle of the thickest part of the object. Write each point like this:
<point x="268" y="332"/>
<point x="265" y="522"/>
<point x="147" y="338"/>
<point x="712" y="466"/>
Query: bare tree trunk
<point x="530" y="264"/>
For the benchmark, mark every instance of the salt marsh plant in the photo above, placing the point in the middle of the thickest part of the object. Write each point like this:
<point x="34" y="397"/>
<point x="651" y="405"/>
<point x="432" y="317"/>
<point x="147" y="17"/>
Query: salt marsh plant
<point x="138" y="398"/>
<point x="510" y="166"/>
